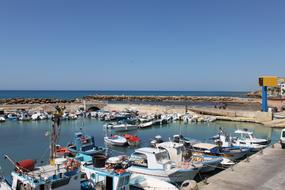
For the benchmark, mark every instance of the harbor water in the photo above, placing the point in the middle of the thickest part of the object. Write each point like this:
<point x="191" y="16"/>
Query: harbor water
<point x="29" y="140"/>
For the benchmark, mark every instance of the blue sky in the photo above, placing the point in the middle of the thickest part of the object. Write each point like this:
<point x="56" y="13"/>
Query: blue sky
<point x="140" y="44"/>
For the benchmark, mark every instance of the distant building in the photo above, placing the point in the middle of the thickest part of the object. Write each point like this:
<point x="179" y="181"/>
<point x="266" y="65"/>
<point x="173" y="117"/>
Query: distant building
<point x="282" y="89"/>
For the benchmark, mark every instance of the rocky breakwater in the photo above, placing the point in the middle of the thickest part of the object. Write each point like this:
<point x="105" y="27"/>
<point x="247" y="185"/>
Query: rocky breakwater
<point x="12" y="101"/>
<point x="123" y="98"/>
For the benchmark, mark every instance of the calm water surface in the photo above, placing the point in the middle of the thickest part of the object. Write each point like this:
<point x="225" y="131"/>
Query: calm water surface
<point x="69" y="94"/>
<point x="27" y="140"/>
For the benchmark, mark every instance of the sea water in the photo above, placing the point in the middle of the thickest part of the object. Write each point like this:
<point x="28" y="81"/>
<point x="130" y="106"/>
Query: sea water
<point x="69" y="94"/>
<point x="29" y="140"/>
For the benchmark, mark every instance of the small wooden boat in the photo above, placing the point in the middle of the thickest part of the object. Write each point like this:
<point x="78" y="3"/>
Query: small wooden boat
<point x="156" y="163"/>
<point x="116" y="140"/>
<point x="133" y="140"/>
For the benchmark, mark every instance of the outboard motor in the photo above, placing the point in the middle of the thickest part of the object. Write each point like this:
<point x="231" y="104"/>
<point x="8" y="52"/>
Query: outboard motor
<point x="158" y="139"/>
<point x="176" y="138"/>
<point x="187" y="145"/>
<point x="153" y="143"/>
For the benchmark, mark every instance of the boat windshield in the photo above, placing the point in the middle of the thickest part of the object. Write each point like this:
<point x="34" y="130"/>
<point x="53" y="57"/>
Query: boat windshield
<point x="161" y="157"/>
<point x="139" y="159"/>
<point x="244" y="136"/>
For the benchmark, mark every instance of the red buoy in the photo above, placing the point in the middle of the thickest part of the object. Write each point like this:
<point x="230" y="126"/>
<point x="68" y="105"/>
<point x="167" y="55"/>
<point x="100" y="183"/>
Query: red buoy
<point x="132" y="139"/>
<point x="28" y="165"/>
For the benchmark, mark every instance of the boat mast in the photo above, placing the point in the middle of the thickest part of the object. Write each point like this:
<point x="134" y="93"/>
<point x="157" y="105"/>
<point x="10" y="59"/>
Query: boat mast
<point x="54" y="137"/>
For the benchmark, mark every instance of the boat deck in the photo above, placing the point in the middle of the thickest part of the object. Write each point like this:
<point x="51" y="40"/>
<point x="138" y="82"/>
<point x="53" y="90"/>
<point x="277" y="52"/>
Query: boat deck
<point x="265" y="170"/>
<point x="47" y="171"/>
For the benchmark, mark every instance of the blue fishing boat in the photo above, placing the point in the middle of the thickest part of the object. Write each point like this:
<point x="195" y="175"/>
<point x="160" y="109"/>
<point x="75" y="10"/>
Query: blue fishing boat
<point x="60" y="173"/>
<point x="99" y="175"/>
<point x="85" y="144"/>
<point x="233" y="152"/>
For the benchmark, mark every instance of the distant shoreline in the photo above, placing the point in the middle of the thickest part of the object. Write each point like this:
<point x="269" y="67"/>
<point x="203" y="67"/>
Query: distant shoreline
<point x="73" y="94"/>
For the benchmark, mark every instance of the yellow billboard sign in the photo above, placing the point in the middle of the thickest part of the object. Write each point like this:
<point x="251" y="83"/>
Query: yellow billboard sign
<point x="270" y="81"/>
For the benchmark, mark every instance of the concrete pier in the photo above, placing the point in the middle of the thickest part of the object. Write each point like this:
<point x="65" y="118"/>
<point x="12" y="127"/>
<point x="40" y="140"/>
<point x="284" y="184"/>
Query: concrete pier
<point x="236" y="115"/>
<point x="265" y="170"/>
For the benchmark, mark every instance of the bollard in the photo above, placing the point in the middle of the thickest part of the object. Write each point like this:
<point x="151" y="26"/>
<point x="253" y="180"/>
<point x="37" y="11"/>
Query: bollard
<point x="206" y="181"/>
<point x="247" y="159"/>
<point x="273" y="146"/>
<point x="232" y="168"/>
<point x="261" y="151"/>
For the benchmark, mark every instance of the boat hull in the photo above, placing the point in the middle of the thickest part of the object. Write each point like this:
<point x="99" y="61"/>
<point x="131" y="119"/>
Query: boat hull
<point x="150" y="183"/>
<point x="114" y="142"/>
<point x="175" y="175"/>
<point x="124" y="128"/>
<point x="210" y="163"/>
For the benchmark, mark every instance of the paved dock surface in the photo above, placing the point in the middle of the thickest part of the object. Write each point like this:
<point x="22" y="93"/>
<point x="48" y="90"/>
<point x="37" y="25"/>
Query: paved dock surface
<point x="264" y="171"/>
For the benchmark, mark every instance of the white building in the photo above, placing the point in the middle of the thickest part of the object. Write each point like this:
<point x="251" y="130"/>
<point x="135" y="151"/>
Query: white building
<point x="282" y="88"/>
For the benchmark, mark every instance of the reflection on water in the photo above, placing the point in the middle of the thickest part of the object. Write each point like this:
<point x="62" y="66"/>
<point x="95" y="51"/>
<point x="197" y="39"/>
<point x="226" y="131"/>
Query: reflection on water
<point x="27" y="140"/>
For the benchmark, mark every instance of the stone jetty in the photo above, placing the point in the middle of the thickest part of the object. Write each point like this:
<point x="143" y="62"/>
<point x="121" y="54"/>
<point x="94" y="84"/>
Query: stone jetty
<point x="11" y="101"/>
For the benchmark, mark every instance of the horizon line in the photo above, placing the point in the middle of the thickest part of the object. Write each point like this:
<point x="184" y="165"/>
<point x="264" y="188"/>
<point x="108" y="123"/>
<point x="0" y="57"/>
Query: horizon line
<point x="130" y="90"/>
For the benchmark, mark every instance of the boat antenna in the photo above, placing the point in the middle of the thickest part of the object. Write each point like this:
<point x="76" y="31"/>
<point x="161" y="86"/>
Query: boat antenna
<point x="13" y="162"/>
<point x="55" y="128"/>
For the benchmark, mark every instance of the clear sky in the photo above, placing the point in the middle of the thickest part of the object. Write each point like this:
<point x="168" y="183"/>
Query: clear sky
<point x="140" y="44"/>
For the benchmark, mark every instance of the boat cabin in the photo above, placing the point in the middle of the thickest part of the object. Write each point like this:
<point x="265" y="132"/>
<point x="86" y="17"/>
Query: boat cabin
<point x="175" y="150"/>
<point x="101" y="177"/>
<point x="151" y="158"/>
<point x="244" y="134"/>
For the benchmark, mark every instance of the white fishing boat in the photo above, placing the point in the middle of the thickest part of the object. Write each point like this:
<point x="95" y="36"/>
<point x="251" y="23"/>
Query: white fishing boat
<point x="12" y="116"/>
<point x="156" y="163"/>
<point x="246" y="138"/>
<point x="178" y="153"/>
<point x="36" y="116"/>
<point x="243" y="138"/>
<point x="115" y="140"/>
<point x="2" y="119"/>
<point x="150" y="183"/>
<point x="124" y="127"/>
<point x="24" y="116"/>
<point x="145" y="125"/>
